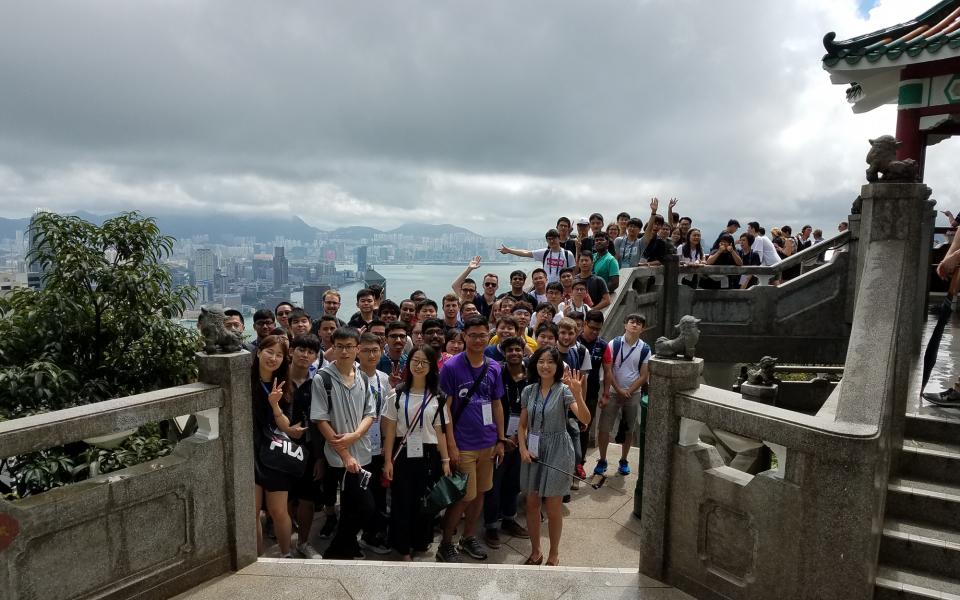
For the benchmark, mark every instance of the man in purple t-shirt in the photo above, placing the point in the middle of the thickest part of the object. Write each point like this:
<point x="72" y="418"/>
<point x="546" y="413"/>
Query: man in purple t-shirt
<point x="477" y="438"/>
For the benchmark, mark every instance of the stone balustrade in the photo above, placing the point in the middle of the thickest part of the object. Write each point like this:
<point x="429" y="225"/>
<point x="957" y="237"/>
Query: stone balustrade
<point x="810" y="528"/>
<point x="148" y="531"/>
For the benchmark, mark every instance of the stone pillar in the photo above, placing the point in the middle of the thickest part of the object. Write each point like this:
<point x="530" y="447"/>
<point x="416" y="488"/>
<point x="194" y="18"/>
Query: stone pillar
<point x="669" y="309"/>
<point x="232" y="373"/>
<point x="667" y="377"/>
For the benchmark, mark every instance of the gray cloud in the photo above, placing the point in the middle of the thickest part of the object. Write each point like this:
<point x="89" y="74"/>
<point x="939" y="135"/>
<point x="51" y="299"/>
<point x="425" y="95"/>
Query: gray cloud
<point x="500" y="116"/>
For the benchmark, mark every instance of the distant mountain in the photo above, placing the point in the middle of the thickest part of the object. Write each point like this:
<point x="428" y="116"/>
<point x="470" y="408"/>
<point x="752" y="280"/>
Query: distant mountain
<point x="222" y="227"/>
<point x="353" y="233"/>
<point x="429" y="230"/>
<point x="218" y="227"/>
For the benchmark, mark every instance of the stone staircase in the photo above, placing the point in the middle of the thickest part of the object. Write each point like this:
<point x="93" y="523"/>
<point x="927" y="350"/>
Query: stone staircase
<point x="920" y="548"/>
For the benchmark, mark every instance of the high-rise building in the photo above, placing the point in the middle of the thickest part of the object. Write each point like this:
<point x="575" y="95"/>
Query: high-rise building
<point x="281" y="274"/>
<point x="35" y="271"/>
<point x="361" y="259"/>
<point x="313" y="298"/>
<point x="204" y="266"/>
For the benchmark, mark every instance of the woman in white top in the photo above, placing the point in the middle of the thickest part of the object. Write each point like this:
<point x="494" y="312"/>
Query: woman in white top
<point x="415" y="450"/>
<point x="691" y="254"/>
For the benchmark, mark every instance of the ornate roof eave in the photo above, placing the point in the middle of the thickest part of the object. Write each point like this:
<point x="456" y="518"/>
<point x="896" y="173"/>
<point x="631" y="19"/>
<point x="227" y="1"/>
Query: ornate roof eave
<point x="934" y="35"/>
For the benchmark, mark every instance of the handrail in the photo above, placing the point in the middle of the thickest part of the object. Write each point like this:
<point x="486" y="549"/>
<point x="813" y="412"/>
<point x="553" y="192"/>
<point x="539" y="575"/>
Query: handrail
<point x="794" y="260"/>
<point x="59" y="427"/>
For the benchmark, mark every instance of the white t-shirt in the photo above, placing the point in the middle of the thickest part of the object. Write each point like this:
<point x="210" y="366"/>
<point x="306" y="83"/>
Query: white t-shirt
<point x="409" y="405"/>
<point x="553" y="261"/>
<point x="383" y="396"/>
<point x="764" y="247"/>
<point x="626" y="364"/>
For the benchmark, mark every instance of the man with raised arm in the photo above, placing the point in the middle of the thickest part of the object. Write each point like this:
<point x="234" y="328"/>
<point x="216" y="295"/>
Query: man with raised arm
<point x="553" y="258"/>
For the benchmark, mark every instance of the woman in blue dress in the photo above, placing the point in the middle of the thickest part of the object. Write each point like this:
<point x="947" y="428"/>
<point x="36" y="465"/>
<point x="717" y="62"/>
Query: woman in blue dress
<point x="543" y="437"/>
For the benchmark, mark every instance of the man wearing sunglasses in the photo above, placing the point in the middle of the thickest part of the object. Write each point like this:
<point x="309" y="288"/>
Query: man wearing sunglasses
<point x="468" y="291"/>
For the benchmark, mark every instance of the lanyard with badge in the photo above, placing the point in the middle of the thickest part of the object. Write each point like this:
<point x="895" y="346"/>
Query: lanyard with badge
<point x="622" y="357"/>
<point x="414" y="436"/>
<point x="514" y="422"/>
<point x="533" y="439"/>
<point x="628" y="250"/>
<point x="373" y="434"/>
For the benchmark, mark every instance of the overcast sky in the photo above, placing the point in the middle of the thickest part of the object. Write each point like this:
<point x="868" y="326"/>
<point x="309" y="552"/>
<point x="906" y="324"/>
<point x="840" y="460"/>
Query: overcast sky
<point x="498" y="116"/>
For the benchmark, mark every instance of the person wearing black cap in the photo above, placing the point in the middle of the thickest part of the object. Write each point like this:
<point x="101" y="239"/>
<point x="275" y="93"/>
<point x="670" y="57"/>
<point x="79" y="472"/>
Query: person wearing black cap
<point x="553" y="258"/>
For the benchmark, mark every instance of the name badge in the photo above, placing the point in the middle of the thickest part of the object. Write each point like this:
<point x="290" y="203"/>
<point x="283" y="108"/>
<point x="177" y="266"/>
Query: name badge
<point x="533" y="444"/>
<point x="373" y="434"/>
<point x="415" y="444"/>
<point x="487" y="414"/>
<point x="513" y="425"/>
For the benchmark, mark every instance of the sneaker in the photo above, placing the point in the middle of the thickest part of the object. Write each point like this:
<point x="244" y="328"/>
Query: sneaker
<point x="950" y="397"/>
<point x="601" y="467"/>
<point x="575" y="485"/>
<point x="580" y="472"/>
<point x="308" y="551"/>
<point x="471" y="546"/>
<point x="492" y="538"/>
<point x="329" y="526"/>
<point x="514" y="529"/>
<point x="447" y="552"/>
<point x="374" y="544"/>
<point x="624" y="468"/>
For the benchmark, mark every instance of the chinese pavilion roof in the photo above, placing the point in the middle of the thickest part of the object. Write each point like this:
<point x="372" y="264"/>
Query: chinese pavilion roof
<point x="933" y="35"/>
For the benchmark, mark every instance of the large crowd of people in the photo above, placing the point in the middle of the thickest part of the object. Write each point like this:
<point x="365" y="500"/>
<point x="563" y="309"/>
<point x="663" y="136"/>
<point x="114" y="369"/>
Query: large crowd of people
<point x="501" y="386"/>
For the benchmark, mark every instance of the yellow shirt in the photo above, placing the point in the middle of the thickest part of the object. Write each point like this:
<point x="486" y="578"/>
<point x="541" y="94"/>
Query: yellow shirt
<point x="531" y="343"/>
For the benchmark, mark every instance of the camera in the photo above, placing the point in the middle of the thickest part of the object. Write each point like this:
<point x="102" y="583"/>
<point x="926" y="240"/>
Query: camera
<point x="365" y="476"/>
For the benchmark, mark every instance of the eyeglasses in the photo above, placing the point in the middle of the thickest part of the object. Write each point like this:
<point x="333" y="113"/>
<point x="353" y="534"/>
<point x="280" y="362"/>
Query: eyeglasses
<point x="419" y="362"/>
<point x="264" y="323"/>
<point x="348" y="348"/>
<point x="469" y="290"/>
<point x="373" y="350"/>
<point x="489" y="284"/>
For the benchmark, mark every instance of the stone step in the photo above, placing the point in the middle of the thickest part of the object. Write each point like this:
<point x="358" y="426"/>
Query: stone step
<point x="903" y="584"/>
<point x="937" y="504"/>
<point x="920" y="548"/>
<point x="932" y="428"/>
<point x="929" y="460"/>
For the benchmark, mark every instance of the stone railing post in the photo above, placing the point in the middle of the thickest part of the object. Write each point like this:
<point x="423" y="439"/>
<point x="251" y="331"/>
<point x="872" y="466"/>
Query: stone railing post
<point x="669" y="309"/>
<point x="667" y="377"/>
<point x="232" y="373"/>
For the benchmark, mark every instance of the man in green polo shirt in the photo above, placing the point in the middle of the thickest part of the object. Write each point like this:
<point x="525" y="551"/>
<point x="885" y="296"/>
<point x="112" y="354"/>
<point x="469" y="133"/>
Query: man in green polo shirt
<point x="605" y="265"/>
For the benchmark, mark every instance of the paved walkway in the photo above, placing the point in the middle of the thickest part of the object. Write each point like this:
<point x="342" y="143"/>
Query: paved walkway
<point x="599" y="529"/>
<point x="370" y="580"/>
<point x="599" y="555"/>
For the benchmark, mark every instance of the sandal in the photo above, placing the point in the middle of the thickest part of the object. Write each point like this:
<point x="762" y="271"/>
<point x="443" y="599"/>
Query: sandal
<point x="530" y="560"/>
<point x="553" y="564"/>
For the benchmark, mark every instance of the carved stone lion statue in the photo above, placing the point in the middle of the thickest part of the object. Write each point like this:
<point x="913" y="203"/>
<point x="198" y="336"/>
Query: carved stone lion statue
<point x="217" y="338"/>
<point x="882" y="161"/>
<point x="762" y="373"/>
<point x="685" y="344"/>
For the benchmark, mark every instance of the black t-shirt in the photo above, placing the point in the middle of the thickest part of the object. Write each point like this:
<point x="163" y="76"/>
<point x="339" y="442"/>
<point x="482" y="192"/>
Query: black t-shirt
<point x="656" y="250"/>
<point x="357" y="321"/>
<point x="571" y="245"/>
<point x="481" y="303"/>
<point x="512" y="389"/>
<point x="523" y="297"/>
<point x="596" y="288"/>
<point x="596" y="349"/>
<point x="586" y="246"/>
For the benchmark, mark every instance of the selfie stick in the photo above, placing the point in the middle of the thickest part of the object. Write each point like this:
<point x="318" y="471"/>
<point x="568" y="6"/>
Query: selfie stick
<point x="596" y="486"/>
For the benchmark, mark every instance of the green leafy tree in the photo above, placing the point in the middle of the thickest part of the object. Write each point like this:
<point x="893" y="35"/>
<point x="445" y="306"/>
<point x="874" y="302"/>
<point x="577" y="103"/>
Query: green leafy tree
<point x="101" y="327"/>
